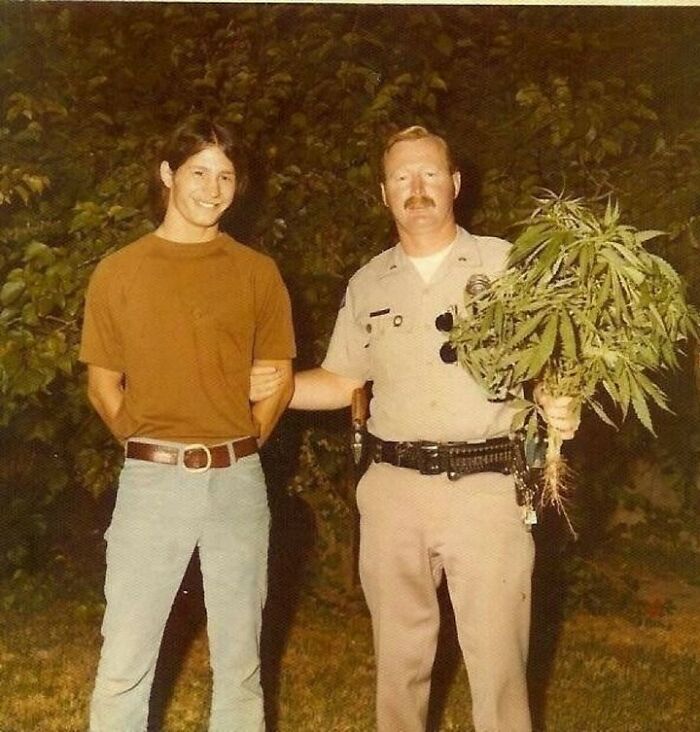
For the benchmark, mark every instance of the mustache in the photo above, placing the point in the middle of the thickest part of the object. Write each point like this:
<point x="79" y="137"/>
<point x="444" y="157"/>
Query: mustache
<point x="418" y="202"/>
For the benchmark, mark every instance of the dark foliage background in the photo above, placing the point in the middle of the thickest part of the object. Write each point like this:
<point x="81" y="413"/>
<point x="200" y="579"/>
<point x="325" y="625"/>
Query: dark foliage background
<point x="591" y="101"/>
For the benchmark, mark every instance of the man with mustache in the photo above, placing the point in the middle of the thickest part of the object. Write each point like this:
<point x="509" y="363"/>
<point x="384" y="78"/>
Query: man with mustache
<point x="173" y="322"/>
<point x="436" y="502"/>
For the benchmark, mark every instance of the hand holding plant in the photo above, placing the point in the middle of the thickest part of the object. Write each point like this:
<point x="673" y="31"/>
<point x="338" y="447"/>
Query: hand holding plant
<point x="561" y="413"/>
<point x="584" y="310"/>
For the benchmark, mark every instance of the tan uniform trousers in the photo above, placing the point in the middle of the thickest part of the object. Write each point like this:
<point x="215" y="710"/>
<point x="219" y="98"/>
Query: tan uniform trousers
<point x="415" y="527"/>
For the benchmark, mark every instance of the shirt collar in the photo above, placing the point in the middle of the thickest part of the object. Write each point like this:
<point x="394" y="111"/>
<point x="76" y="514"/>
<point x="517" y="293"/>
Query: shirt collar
<point x="464" y="254"/>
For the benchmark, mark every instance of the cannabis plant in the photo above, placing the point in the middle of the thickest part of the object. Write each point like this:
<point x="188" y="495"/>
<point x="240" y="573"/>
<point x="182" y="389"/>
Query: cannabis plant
<point x="585" y="311"/>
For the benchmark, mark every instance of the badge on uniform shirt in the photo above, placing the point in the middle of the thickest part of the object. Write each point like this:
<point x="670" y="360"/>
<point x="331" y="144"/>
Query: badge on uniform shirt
<point x="477" y="284"/>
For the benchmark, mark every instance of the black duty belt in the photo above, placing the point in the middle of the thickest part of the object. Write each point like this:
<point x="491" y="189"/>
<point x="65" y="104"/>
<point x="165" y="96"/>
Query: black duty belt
<point x="454" y="458"/>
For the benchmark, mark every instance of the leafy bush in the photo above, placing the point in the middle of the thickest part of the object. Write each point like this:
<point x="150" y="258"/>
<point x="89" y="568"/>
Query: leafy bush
<point x="30" y="479"/>
<point x="529" y="97"/>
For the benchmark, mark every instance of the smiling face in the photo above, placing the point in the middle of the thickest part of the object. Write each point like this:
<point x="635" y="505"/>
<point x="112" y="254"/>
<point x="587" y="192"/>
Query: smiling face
<point x="419" y="187"/>
<point x="200" y="191"/>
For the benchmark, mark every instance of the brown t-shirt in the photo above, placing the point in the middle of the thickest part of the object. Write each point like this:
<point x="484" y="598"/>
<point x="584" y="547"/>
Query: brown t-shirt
<point x="184" y="322"/>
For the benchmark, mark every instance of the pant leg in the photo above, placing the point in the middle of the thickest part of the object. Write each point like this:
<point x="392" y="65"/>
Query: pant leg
<point x="233" y="558"/>
<point x="149" y="544"/>
<point x="399" y="578"/>
<point x="488" y="555"/>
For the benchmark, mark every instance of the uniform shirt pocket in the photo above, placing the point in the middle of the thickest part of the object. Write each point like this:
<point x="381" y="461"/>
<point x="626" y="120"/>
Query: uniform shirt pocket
<point x="391" y="346"/>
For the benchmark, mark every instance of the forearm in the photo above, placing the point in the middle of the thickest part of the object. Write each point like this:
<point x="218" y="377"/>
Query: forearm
<point x="321" y="389"/>
<point x="267" y="412"/>
<point x="106" y="394"/>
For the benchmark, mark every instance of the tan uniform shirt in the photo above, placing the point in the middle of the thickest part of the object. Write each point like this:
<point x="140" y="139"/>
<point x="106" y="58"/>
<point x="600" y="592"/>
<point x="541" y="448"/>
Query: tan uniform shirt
<point x="184" y="322"/>
<point x="385" y="332"/>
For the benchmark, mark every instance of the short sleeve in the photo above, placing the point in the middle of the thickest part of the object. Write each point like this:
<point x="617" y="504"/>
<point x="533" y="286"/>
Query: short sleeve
<point x="274" y="332"/>
<point x="348" y="352"/>
<point x="101" y="343"/>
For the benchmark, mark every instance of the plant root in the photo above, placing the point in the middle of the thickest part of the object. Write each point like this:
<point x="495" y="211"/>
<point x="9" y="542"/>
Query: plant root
<point x="557" y="479"/>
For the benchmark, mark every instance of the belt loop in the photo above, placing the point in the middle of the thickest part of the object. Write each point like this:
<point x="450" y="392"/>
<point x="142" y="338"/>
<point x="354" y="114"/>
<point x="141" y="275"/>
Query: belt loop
<point x="231" y="453"/>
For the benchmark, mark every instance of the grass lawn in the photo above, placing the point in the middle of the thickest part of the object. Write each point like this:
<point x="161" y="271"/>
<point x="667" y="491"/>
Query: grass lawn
<point x="606" y="672"/>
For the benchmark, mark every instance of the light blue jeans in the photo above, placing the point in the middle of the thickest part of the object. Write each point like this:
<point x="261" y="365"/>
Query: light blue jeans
<point x="162" y="513"/>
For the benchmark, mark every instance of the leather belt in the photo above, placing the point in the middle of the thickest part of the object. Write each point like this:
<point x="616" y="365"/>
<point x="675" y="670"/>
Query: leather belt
<point x="196" y="458"/>
<point x="454" y="458"/>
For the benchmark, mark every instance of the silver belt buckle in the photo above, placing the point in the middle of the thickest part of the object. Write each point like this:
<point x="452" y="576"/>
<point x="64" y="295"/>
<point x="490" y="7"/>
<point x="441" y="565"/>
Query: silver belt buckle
<point x="196" y="446"/>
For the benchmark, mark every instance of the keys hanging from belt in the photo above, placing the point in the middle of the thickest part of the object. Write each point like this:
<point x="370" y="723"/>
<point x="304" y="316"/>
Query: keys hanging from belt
<point x="527" y="472"/>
